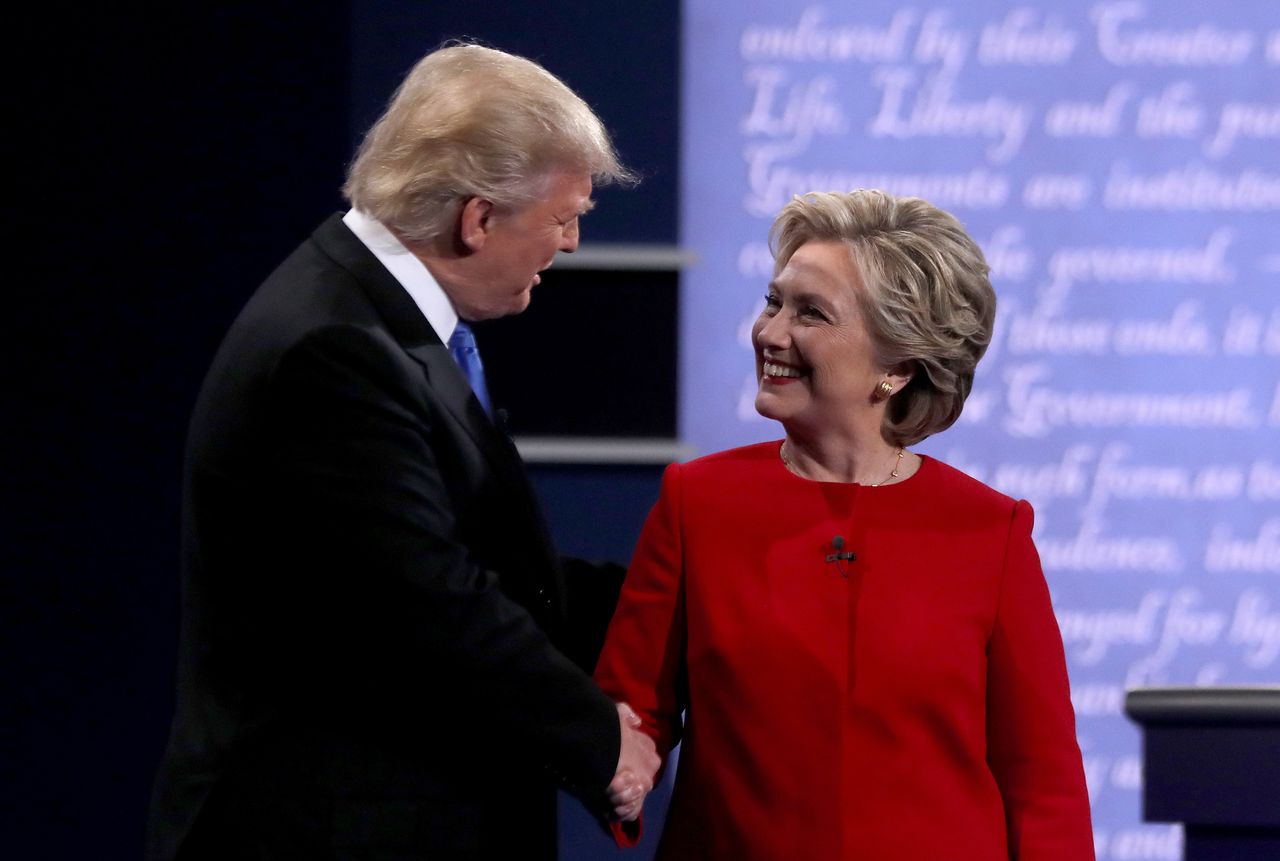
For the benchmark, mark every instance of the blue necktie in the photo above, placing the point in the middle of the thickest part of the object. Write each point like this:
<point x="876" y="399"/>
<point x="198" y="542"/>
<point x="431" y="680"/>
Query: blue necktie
<point x="462" y="346"/>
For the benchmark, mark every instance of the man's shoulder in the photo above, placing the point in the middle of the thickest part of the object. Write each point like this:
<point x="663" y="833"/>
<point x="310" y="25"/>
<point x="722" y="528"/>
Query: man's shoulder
<point x="316" y="285"/>
<point x="308" y="295"/>
<point x="330" y="253"/>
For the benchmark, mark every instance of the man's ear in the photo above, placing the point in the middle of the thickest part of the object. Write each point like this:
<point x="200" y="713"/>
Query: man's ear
<point x="474" y="223"/>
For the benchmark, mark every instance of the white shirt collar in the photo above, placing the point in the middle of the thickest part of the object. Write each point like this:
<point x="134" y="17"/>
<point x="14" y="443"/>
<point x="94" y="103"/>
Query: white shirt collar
<point x="412" y="274"/>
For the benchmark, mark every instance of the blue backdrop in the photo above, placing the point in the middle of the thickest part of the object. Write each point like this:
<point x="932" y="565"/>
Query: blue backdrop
<point x="1119" y="164"/>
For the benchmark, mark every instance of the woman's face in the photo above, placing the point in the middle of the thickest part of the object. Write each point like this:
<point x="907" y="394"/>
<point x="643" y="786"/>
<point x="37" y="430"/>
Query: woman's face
<point x="814" y="359"/>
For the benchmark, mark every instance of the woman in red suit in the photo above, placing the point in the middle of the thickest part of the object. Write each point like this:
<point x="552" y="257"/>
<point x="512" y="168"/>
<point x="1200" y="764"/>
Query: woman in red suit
<point x="855" y="642"/>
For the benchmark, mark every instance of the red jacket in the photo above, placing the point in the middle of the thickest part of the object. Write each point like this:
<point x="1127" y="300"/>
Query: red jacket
<point x="910" y="703"/>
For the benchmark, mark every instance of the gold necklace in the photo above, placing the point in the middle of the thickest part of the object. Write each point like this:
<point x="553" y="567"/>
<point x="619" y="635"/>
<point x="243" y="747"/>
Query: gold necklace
<point x="791" y="467"/>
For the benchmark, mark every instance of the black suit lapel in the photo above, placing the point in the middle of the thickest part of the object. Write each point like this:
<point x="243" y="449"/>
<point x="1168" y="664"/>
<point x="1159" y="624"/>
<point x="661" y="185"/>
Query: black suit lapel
<point x="410" y="328"/>
<point x="455" y="392"/>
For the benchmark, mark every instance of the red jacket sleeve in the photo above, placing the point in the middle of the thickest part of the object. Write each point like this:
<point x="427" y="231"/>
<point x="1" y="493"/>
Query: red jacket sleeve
<point x="1031" y="732"/>
<point x="643" y="658"/>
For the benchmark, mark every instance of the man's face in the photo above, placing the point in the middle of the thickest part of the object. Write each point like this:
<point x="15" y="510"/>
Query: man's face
<point x="520" y="243"/>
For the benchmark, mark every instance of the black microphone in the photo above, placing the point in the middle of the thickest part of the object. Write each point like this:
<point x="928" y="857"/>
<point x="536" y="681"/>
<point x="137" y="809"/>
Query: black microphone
<point x="841" y="555"/>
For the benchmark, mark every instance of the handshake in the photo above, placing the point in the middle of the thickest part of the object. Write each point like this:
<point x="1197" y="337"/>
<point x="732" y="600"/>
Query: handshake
<point x="638" y="764"/>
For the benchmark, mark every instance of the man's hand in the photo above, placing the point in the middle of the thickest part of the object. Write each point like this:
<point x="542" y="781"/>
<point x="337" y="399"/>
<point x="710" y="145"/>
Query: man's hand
<point x="638" y="763"/>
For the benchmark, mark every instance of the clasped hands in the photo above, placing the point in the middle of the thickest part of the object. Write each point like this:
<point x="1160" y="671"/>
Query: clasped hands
<point x="638" y="764"/>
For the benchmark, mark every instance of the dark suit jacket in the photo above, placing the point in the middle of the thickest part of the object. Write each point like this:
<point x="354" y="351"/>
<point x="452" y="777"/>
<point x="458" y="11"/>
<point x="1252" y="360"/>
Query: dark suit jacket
<point x="373" y="659"/>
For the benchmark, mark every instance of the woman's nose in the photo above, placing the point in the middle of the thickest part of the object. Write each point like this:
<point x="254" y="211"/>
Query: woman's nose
<point x="771" y="331"/>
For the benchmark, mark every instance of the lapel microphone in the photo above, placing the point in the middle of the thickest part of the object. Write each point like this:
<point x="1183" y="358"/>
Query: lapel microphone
<point x="841" y="555"/>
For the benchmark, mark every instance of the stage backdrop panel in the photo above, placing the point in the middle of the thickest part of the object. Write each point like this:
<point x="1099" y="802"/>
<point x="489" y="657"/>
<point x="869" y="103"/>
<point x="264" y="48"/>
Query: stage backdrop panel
<point x="1119" y="163"/>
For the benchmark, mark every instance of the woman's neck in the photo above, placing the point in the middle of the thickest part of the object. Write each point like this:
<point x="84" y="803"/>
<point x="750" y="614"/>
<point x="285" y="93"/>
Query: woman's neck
<point x="853" y="459"/>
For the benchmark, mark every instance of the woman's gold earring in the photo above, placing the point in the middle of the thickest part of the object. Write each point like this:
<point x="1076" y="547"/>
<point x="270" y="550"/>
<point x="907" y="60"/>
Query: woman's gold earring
<point x="884" y="390"/>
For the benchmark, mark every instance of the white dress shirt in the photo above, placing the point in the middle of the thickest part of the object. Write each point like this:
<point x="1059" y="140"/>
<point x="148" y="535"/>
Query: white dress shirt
<point x="413" y="276"/>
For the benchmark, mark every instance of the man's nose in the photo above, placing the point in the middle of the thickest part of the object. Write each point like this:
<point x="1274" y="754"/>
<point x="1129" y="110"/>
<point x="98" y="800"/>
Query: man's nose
<point x="569" y="240"/>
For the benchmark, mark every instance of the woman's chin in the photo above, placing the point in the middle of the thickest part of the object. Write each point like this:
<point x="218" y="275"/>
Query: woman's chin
<point x="767" y="405"/>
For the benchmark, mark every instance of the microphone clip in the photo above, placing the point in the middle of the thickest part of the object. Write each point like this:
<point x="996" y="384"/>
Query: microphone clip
<point x="840" y="555"/>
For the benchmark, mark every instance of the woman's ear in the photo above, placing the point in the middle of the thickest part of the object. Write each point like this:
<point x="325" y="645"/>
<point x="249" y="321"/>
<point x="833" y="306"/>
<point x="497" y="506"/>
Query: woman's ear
<point x="899" y="375"/>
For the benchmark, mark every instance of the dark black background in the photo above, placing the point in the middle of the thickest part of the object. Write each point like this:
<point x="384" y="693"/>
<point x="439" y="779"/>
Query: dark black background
<point x="165" y="161"/>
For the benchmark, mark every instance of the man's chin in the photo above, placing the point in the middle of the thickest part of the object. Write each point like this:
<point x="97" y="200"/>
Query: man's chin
<point x="519" y="302"/>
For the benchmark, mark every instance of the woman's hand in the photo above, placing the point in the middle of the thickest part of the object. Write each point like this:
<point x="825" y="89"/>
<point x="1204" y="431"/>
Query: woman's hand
<point x="638" y="763"/>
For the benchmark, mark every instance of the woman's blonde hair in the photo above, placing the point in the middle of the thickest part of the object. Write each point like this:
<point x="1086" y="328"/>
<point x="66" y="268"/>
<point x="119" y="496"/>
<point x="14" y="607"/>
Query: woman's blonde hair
<point x="928" y="304"/>
<point x="471" y="121"/>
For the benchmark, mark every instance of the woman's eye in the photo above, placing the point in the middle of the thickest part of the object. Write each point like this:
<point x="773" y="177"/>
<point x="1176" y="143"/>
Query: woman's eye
<point x="812" y="311"/>
<point x="772" y="301"/>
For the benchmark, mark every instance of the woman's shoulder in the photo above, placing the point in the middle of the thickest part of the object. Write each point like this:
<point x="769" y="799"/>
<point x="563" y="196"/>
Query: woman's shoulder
<point x="729" y="471"/>
<point x="952" y="488"/>
<point x="760" y="455"/>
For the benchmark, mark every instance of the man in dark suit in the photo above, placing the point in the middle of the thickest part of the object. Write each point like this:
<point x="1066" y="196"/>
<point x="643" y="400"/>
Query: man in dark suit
<point x="379" y="655"/>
